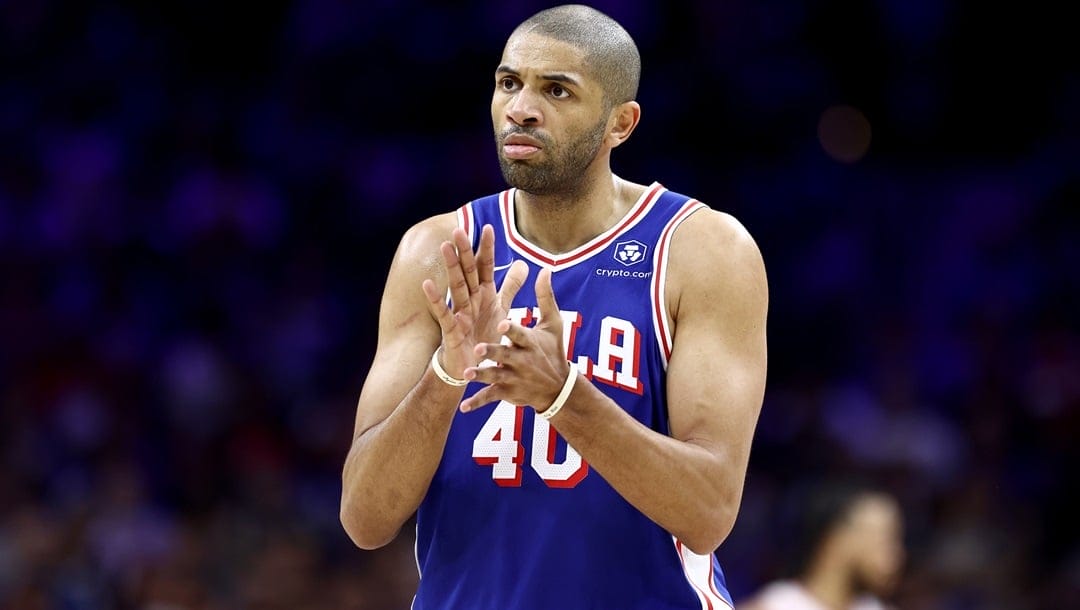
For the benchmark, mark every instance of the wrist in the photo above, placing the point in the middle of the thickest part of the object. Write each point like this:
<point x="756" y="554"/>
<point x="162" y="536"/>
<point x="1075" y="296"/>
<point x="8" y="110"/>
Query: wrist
<point x="563" y="395"/>
<point x="442" y="374"/>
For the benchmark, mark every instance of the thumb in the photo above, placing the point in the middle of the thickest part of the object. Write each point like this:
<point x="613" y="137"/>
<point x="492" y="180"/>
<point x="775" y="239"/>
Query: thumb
<point x="514" y="280"/>
<point x="545" y="298"/>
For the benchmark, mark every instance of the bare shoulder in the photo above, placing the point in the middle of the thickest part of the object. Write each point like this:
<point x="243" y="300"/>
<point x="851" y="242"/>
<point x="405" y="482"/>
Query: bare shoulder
<point x="712" y="235"/>
<point x="404" y="306"/>
<point x="419" y="245"/>
<point x="713" y="256"/>
<point x="408" y="333"/>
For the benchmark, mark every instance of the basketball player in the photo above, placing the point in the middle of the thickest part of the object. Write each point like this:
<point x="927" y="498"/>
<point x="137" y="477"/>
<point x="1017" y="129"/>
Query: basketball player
<point x="569" y="372"/>
<point x="851" y="549"/>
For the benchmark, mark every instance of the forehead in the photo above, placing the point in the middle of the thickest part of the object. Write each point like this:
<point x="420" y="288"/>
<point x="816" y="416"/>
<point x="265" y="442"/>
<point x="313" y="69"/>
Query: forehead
<point x="876" y="512"/>
<point x="532" y="53"/>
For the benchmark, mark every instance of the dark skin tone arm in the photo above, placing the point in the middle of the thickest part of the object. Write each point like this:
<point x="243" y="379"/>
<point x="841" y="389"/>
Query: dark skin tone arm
<point x="404" y="412"/>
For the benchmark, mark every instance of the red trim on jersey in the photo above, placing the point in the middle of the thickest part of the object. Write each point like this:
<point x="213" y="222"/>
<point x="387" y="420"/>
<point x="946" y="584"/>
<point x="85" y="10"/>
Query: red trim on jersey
<point x="631" y="218"/>
<point x="571" y="328"/>
<point x="575" y="477"/>
<point x="615" y="363"/>
<point x="466" y="220"/>
<point x="703" y="594"/>
<point x="588" y="366"/>
<point x="525" y="320"/>
<point x="519" y="412"/>
<point x="712" y="580"/>
<point x="636" y="369"/>
<point x="553" y="439"/>
<point x="661" y="253"/>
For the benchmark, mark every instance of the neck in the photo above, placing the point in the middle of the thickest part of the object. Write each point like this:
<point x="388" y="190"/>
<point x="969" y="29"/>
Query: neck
<point x="830" y="585"/>
<point x="561" y="222"/>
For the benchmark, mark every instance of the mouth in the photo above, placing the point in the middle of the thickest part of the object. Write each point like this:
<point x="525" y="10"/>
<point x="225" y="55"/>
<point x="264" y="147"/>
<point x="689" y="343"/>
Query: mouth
<point x="519" y="151"/>
<point x="519" y="146"/>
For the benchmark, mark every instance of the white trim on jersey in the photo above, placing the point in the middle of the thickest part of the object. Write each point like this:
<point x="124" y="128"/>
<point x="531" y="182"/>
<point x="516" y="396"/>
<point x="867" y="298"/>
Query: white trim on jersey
<point x="416" y="550"/>
<point x="416" y="557"/>
<point x="556" y="262"/>
<point x="659" y="304"/>
<point x="465" y="216"/>
<point x="698" y="570"/>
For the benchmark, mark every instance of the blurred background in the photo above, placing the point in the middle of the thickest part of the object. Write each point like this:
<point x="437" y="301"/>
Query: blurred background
<point x="199" y="202"/>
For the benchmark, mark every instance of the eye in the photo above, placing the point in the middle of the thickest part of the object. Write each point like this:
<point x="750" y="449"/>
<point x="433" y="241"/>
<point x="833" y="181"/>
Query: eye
<point x="507" y="84"/>
<point x="558" y="92"/>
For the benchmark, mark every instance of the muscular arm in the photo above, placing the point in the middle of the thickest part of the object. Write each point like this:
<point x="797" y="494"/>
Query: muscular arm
<point x="405" y="410"/>
<point x="691" y="482"/>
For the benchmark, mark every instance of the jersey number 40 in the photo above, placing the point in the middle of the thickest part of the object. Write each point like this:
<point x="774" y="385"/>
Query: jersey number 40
<point x="498" y="444"/>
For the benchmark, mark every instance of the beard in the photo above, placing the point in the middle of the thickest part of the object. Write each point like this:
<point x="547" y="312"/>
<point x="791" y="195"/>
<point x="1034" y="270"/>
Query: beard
<point x="562" y="172"/>
<point x="877" y="584"/>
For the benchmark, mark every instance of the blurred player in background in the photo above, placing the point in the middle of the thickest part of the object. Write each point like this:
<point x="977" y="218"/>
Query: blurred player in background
<point x="850" y="550"/>
<point x="573" y="430"/>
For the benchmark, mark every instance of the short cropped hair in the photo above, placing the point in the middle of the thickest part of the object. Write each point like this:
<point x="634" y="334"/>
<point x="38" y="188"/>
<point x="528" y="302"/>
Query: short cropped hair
<point x="610" y="52"/>
<point x="824" y="506"/>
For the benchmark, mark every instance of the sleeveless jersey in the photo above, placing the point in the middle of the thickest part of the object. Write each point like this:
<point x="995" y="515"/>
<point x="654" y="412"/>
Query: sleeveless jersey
<point x="514" y="518"/>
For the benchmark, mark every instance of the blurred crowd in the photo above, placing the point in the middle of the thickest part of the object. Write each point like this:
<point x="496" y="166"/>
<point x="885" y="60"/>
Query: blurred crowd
<point x="199" y="203"/>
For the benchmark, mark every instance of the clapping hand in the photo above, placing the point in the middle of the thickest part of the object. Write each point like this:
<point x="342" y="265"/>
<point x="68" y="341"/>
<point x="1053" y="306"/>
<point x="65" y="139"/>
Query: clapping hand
<point x="476" y="309"/>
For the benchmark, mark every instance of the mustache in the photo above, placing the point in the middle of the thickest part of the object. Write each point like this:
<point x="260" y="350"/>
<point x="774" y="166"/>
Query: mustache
<point x="525" y="131"/>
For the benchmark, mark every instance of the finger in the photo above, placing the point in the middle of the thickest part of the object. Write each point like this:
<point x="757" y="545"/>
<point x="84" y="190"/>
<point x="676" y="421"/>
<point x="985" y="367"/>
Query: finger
<point x="454" y="326"/>
<point x="486" y="395"/>
<point x="512" y="283"/>
<point x="516" y="333"/>
<point x="496" y="352"/>
<point x="437" y="307"/>
<point x="545" y="298"/>
<point x="485" y="255"/>
<point x="488" y="374"/>
<point x="459" y="288"/>
<point x="467" y="258"/>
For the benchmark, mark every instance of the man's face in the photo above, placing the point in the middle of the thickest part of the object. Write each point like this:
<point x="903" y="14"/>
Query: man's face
<point x="875" y="535"/>
<point x="549" y="115"/>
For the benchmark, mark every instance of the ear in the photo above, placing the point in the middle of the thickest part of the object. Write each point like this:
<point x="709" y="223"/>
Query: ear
<point x="623" y="121"/>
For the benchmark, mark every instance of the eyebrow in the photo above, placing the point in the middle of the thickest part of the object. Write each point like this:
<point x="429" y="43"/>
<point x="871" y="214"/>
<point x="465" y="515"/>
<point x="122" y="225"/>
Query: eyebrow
<point x="555" y="76"/>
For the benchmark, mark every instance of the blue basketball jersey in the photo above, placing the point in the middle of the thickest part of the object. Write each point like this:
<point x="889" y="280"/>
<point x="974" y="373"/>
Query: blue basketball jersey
<point x="514" y="518"/>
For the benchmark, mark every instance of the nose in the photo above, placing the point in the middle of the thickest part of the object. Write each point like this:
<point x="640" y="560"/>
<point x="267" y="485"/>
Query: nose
<point x="524" y="108"/>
